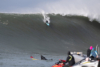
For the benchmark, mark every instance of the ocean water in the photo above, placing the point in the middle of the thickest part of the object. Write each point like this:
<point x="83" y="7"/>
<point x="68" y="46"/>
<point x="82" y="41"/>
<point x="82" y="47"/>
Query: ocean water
<point x="25" y="35"/>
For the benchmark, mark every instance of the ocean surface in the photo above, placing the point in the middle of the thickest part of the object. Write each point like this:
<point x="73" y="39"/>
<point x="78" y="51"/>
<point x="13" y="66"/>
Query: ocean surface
<point x="25" y="35"/>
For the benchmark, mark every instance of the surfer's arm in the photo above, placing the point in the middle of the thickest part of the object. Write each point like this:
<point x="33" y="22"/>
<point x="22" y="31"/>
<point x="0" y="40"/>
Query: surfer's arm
<point x="66" y="60"/>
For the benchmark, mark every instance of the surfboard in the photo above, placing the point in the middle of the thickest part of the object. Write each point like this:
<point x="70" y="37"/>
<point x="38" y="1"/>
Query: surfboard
<point x="47" y="24"/>
<point x="33" y="58"/>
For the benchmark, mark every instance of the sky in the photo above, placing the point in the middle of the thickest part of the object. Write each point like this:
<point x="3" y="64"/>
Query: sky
<point x="89" y="8"/>
<point x="24" y="6"/>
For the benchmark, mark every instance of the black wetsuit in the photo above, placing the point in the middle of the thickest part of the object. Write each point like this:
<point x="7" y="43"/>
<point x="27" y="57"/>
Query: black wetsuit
<point x="46" y="21"/>
<point x="70" y="59"/>
<point x="88" y="52"/>
<point x="43" y="58"/>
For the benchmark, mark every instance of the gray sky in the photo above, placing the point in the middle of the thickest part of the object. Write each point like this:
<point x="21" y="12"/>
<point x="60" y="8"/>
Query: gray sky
<point x="54" y="6"/>
<point x="23" y="5"/>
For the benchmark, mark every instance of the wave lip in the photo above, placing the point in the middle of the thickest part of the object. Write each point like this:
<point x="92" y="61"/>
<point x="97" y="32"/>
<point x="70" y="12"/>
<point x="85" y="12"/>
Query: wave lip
<point x="64" y="7"/>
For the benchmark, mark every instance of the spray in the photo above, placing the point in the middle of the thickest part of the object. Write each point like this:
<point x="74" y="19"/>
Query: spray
<point x="45" y="17"/>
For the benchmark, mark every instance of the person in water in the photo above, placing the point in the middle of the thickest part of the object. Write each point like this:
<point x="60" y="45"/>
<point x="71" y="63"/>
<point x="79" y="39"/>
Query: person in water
<point x="43" y="58"/>
<point x="70" y="59"/>
<point x="93" y="54"/>
<point x="89" y="51"/>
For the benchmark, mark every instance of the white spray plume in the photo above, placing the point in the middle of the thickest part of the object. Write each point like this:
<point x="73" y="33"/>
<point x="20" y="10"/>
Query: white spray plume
<point x="45" y="17"/>
<point x="88" y="8"/>
<point x="85" y="8"/>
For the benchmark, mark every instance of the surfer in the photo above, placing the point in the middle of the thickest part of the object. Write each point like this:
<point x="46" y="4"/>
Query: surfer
<point x="70" y="59"/>
<point x="46" y="21"/>
<point x="44" y="58"/>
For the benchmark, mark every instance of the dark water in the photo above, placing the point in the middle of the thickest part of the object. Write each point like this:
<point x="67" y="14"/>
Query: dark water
<point x="27" y="33"/>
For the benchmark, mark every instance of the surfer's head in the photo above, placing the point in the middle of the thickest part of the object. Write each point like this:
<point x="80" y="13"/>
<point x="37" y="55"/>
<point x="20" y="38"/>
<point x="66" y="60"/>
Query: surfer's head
<point x="68" y="53"/>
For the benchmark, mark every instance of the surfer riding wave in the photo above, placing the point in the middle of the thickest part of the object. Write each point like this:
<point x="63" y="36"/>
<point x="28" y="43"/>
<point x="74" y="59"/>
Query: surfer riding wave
<point x="46" y="19"/>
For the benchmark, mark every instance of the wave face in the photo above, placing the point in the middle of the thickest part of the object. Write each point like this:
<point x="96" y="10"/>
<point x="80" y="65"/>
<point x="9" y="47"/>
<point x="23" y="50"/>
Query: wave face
<point x="29" y="33"/>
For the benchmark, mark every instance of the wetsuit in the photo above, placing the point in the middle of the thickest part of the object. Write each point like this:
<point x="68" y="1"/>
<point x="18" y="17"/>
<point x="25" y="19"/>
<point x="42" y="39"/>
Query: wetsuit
<point x="46" y="21"/>
<point x="43" y="58"/>
<point x="70" y="59"/>
<point x="88" y="52"/>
